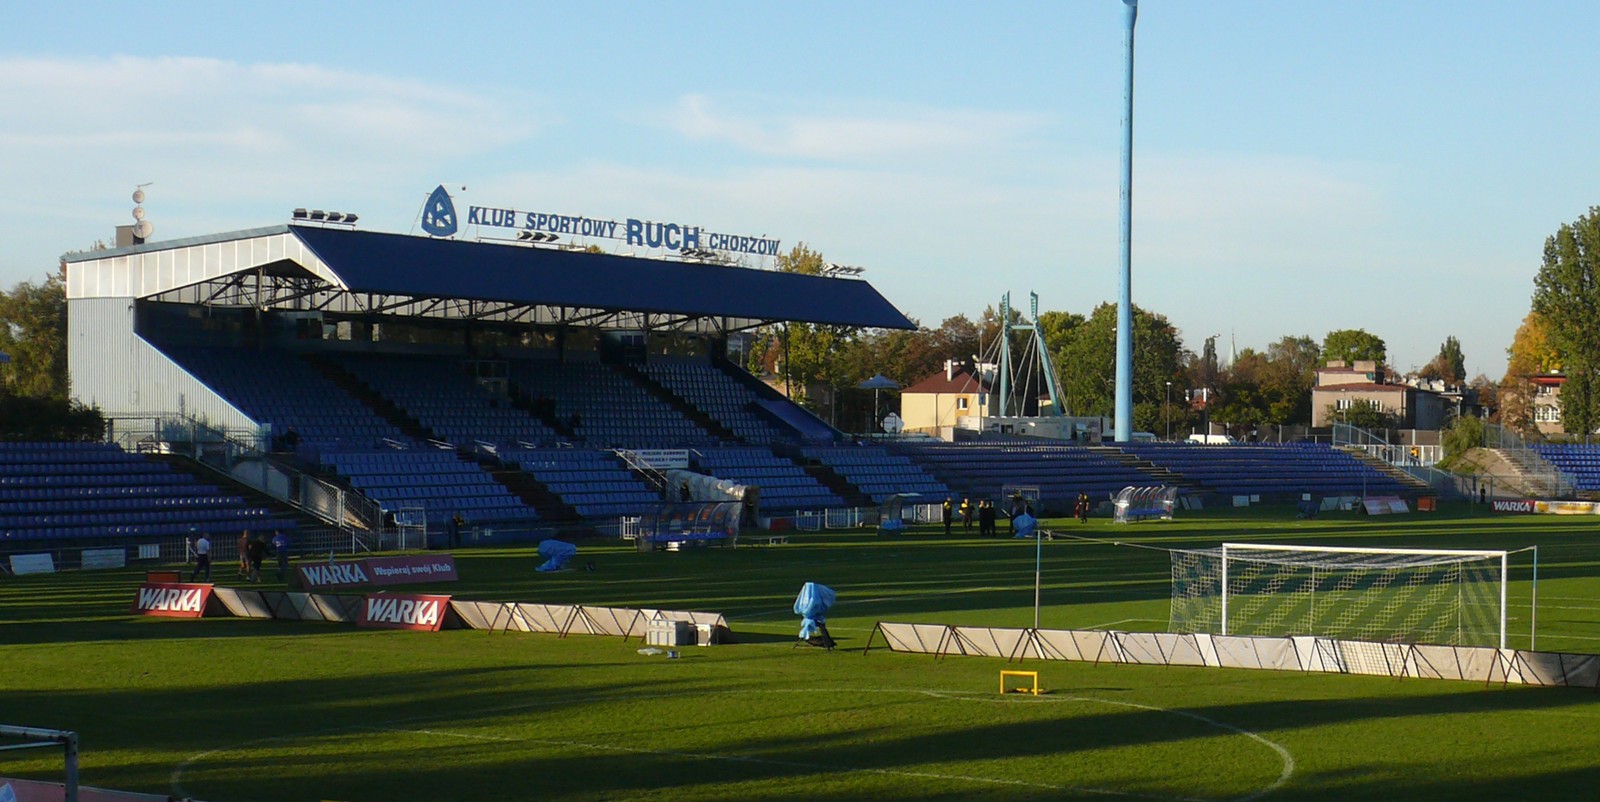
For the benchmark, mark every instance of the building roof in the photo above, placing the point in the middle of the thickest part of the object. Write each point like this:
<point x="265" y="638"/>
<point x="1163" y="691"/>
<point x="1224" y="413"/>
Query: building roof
<point x="410" y="273"/>
<point x="962" y="381"/>
<point x="1367" y="387"/>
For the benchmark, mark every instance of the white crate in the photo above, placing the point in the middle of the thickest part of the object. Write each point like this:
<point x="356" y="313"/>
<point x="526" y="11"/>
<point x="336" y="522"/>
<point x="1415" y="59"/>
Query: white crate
<point x="661" y="632"/>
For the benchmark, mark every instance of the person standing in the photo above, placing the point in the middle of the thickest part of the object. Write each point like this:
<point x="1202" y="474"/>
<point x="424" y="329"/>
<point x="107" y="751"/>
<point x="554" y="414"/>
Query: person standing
<point x="280" y="548"/>
<point x="1082" y="508"/>
<point x="244" y="552"/>
<point x="453" y="530"/>
<point x="256" y="550"/>
<point x="949" y="514"/>
<point x="966" y="515"/>
<point x="986" y="518"/>
<point x="202" y="559"/>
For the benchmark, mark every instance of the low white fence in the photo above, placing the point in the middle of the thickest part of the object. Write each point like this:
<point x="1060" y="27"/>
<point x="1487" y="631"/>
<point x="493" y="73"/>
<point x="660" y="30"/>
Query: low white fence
<point x="1297" y="653"/>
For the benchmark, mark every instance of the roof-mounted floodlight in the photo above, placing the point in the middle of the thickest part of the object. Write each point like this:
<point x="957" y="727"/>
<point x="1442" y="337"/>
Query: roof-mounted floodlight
<point x="835" y="269"/>
<point x="321" y="216"/>
<point x="536" y="237"/>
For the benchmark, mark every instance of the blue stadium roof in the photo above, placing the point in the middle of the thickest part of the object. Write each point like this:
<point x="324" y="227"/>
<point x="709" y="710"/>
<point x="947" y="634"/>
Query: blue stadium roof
<point x="396" y="264"/>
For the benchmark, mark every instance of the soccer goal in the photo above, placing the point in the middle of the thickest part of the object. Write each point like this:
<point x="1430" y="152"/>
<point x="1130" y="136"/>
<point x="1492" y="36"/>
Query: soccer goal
<point x="1438" y="596"/>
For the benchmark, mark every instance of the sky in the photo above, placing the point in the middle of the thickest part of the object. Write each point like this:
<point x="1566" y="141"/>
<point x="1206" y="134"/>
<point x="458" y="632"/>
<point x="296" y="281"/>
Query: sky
<point x="1299" y="167"/>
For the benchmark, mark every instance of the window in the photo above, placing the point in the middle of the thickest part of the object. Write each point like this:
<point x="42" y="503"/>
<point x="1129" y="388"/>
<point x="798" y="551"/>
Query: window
<point x="1547" y="414"/>
<point x="961" y="403"/>
<point x="1341" y="404"/>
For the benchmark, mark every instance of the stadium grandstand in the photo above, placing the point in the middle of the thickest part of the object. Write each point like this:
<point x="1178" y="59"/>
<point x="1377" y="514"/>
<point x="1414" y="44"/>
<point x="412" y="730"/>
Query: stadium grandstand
<point x="329" y="379"/>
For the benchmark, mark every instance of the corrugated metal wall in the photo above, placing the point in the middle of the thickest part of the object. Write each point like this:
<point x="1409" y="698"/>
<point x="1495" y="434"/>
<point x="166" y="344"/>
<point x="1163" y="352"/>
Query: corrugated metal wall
<point x="156" y="271"/>
<point x="112" y="367"/>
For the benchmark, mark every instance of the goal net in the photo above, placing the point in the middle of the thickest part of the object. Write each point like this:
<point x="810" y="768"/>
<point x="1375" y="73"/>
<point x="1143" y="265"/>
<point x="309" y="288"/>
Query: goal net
<point x="1386" y="595"/>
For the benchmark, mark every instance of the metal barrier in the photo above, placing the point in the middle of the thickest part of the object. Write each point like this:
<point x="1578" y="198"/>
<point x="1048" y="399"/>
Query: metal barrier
<point x="236" y="454"/>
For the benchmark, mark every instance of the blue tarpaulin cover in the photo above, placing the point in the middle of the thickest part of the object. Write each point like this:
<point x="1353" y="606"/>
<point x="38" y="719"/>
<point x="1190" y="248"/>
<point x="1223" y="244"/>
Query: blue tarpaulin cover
<point x="813" y="601"/>
<point x="1025" y="524"/>
<point x="557" y="554"/>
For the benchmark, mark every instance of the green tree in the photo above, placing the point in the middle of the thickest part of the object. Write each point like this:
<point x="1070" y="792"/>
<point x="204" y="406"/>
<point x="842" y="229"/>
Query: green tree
<point x="1362" y="414"/>
<point x="1088" y="363"/>
<point x="1449" y="365"/>
<point x="33" y="331"/>
<point x="1464" y="433"/>
<point x="1351" y="345"/>
<point x="1567" y="297"/>
<point x="807" y="355"/>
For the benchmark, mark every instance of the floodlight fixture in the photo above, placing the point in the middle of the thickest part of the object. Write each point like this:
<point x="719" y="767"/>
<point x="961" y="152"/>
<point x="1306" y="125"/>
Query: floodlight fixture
<point x="318" y="215"/>
<point x="300" y="214"/>
<point x="834" y="269"/>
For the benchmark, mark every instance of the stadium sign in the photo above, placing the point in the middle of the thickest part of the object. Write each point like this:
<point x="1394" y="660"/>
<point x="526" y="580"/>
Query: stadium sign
<point x="439" y="219"/>
<point x="403" y="611"/>
<point x="174" y="600"/>
<point x="377" y="571"/>
<point x="332" y="575"/>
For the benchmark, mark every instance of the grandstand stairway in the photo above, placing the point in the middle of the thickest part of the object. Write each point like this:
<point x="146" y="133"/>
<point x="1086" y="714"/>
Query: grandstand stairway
<point x="693" y="413"/>
<point x="535" y="494"/>
<point x="521" y="399"/>
<point x="1165" y="476"/>
<point x="234" y="487"/>
<point x="829" y="478"/>
<point x="369" y="397"/>
<point x="1413" y="485"/>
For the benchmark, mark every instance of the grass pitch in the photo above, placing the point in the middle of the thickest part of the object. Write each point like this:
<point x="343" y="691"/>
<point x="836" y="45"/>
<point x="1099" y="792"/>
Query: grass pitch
<point x="225" y="709"/>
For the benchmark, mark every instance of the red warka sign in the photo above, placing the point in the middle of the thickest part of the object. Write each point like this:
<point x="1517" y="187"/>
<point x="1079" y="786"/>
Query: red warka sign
<point x="176" y="600"/>
<point x="403" y="611"/>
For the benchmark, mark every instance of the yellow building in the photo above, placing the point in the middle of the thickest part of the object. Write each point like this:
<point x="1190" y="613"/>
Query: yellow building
<point x="934" y="405"/>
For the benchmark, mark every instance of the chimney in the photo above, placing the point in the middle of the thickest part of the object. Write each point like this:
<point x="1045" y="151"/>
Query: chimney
<point x="949" y="370"/>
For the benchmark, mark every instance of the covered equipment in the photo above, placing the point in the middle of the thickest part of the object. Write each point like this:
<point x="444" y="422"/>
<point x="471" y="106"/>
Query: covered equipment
<point x="811" y="605"/>
<point x="557" y="554"/>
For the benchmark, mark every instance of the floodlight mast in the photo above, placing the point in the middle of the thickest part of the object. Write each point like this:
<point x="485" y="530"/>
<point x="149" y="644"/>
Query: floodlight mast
<point x="1123" y="427"/>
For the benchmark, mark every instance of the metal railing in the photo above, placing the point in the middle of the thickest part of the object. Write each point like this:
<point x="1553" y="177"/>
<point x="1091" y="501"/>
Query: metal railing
<point x="236" y="453"/>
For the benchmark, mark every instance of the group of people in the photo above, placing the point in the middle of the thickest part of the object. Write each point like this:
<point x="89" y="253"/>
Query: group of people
<point x="987" y="515"/>
<point x="252" y="552"/>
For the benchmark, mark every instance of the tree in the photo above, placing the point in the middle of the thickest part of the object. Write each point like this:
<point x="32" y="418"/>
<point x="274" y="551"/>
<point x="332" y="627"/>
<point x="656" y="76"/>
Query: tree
<point x="1567" y="297"/>
<point x="807" y="354"/>
<point x="1449" y="366"/>
<point x="1362" y="414"/>
<point x="1087" y="363"/>
<point x="1351" y="345"/>
<point x="1531" y="353"/>
<point x="1290" y="374"/>
<point x="1464" y="433"/>
<point x="33" y="331"/>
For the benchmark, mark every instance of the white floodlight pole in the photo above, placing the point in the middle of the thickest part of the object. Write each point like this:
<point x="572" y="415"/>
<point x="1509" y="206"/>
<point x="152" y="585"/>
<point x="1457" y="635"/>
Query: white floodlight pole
<point x="1124" y="402"/>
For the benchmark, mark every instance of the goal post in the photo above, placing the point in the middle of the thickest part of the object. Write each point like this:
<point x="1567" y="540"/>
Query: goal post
<point x="1443" y="596"/>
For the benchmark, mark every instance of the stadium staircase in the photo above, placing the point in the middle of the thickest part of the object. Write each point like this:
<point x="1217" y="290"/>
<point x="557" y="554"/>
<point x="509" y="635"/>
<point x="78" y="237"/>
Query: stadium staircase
<point x="521" y="399"/>
<point x="372" y="399"/>
<point x="712" y="426"/>
<point x="534" y="493"/>
<point x="1185" y="485"/>
<point x="825" y="476"/>
<point x="1414" y="486"/>
<point x="203" y="473"/>
<point x="1529" y="473"/>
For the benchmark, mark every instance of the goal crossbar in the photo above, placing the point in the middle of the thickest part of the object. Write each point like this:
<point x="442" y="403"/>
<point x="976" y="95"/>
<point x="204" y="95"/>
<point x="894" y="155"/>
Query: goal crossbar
<point x="1360" y="550"/>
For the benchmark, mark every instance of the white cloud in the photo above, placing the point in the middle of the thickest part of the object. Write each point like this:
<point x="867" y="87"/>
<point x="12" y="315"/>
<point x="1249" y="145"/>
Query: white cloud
<point x="893" y="133"/>
<point x="216" y="137"/>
